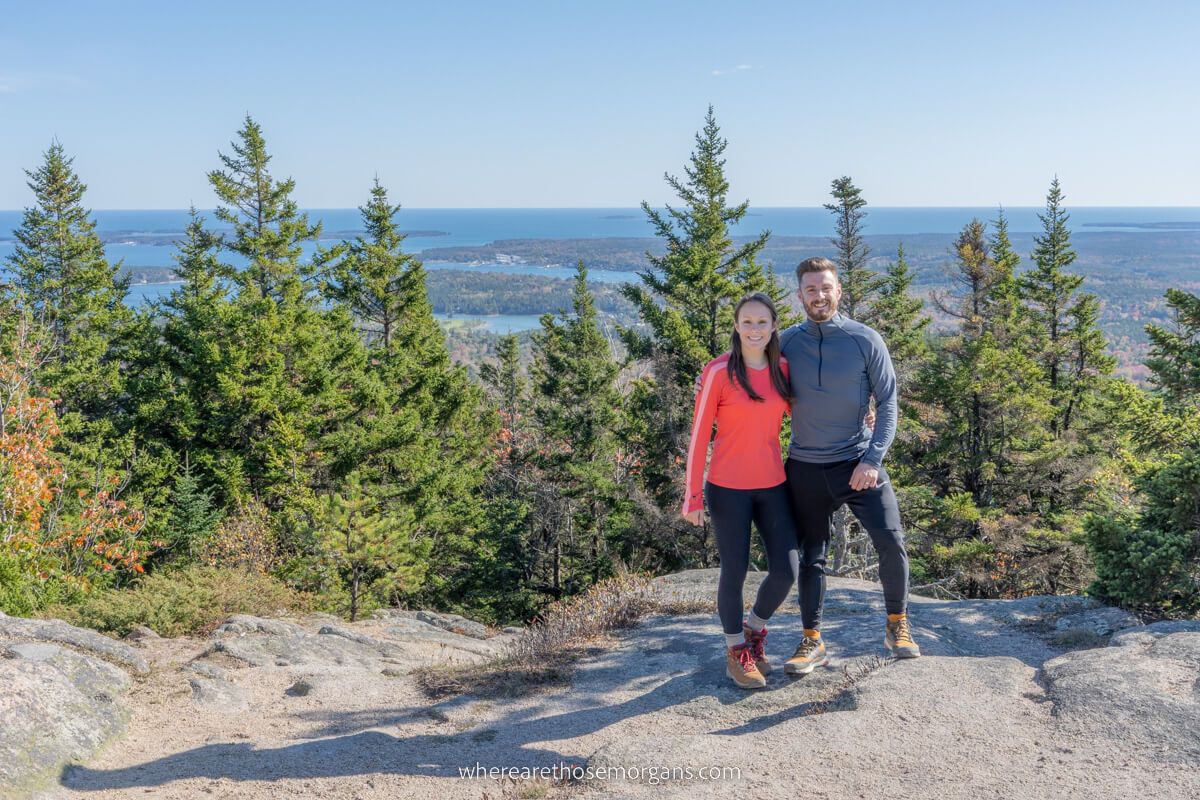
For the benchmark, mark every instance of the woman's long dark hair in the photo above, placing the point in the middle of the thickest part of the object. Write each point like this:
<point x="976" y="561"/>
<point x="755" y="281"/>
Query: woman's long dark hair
<point x="737" y="364"/>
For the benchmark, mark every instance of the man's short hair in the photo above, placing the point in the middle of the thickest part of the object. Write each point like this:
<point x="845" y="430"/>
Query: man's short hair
<point x="817" y="264"/>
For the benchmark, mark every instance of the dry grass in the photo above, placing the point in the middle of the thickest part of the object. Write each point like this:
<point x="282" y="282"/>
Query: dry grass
<point x="545" y="654"/>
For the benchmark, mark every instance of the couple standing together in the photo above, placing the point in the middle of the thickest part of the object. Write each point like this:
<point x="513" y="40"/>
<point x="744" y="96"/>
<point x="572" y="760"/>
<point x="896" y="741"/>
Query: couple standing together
<point x="823" y="372"/>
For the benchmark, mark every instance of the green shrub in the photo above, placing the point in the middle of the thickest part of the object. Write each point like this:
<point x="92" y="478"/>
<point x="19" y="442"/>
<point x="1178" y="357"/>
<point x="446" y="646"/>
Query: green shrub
<point x="1151" y="562"/>
<point x="184" y="601"/>
<point x="17" y="592"/>
<point x="22" y="594"/>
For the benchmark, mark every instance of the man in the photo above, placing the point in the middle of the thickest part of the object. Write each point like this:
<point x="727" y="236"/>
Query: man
<point x="835" y="459"/>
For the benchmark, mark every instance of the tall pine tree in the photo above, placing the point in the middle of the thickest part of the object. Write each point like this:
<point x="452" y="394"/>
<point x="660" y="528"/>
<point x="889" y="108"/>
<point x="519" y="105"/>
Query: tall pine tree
<point x="900" y="320"/>
<point x="577" y="407"/>
<point x="1069" y="346"/>
<point x="421" y="433"/>
<point x="60" y="272"/>
<point x="287" y="365"/>
<point x="860" y="285"/>
<point x="985" y="410"/>
<point x="686" y="301"/>
<point x="179" y="384"/>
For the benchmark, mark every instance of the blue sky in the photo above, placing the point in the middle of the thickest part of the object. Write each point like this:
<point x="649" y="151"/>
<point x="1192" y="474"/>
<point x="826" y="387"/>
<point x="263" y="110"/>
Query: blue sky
<point x="545" y="104"/>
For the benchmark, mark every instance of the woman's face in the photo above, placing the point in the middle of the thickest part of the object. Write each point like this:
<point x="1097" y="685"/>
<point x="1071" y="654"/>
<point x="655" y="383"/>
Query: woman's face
<point x="754" y="325"/>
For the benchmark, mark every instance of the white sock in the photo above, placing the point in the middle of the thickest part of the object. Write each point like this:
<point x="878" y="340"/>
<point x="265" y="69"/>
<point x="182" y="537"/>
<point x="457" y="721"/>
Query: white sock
<point x="733" y="639"/>
<point x="756" y="622"/>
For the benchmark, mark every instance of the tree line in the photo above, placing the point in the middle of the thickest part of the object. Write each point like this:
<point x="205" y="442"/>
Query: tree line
<point x="301" y="418"/>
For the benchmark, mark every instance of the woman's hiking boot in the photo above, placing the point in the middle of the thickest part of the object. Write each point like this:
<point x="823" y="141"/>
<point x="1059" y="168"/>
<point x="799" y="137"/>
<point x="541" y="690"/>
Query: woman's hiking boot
<point x="740" y="666"/>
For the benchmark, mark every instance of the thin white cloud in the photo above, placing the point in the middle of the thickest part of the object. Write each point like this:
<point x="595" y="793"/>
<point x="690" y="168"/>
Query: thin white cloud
<point x="738" y="68"/>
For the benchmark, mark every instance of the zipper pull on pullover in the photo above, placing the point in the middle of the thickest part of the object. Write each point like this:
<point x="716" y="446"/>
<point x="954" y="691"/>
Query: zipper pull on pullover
<point x="820" y="352"/>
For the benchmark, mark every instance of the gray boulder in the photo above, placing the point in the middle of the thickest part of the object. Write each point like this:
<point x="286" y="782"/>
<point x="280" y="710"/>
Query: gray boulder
<point x="55" y="631"/>
<point x="1100" y="621"/>
<point x="1148" y="634"/>
<point x="296" y="650"/>
<point x="1143" y="690"/>
<point x="468" y="627"/>
<point x="140" y="633"/>
<point x="208" y="670"/>
<point x="444" y="639"/>
<point x="56" y="706"/>
<point x="241" y="624"/>
<point x="216" y="694"/>
<point x="455" y="623"/>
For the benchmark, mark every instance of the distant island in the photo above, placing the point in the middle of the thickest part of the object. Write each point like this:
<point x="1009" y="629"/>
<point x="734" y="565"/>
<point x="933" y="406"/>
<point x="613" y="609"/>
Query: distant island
<point x="1152" y="226"/>
<point x="1129" y="271"/>
<point x="171" y="238"/>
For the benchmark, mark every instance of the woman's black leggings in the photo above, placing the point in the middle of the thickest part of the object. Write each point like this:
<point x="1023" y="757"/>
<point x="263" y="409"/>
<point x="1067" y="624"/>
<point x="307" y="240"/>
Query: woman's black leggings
<point x="731" y="511"/>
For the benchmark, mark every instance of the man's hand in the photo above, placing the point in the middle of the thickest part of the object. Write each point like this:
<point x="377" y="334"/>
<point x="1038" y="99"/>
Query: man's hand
<point x="698" y="383"/>
<point x="695" y="517"/>
<point x="865" y="477"/>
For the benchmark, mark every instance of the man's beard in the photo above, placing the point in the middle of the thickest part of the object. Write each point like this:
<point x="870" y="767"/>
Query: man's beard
<point x="821" y="314"/>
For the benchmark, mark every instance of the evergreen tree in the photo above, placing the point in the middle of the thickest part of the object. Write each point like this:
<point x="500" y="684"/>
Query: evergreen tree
<point x="59" y="270"/>
<point x="987" y="410"/>
<point x="375" y="553"/>
<point x="509" y="392"/>
<point x="193" y="519"/>
<point x="577" y="408"/>
<point x="687" y="296"/>
<point x="1150" y="559"/>
<point x="505" y="380"/>
<point x="421" y="435"/>
<point x="368" y="279"/>
<point x="860" y="285"/>
<point x="1005" y="312"/>
<point x="179" y="380"/>
<point x="900" y="321"/>
<point x="903" y="326"/>
<point x="268" y="228"/>
<point x="686" y="300"/>
<point x="514" y="492"/>
<point x="1069" y="346"/>
<point x="1174" y="358"/>
<point x="288" y="365"/>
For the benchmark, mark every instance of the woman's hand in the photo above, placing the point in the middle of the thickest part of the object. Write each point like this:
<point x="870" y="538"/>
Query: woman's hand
<point x="869" y="420"/>
<point x="695" y="517"/>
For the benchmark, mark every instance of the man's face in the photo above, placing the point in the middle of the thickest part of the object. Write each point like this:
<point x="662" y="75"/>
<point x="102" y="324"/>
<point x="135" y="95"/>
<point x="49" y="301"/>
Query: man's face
<point x="819" y="292"/>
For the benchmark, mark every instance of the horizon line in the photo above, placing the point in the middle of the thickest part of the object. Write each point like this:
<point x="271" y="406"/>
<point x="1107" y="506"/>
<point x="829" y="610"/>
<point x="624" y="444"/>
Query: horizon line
<point x="403" y="208"/>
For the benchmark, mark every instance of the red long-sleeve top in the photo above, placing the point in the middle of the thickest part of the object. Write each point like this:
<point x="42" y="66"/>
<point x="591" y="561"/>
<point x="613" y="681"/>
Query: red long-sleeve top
<point x="746" y="453"/>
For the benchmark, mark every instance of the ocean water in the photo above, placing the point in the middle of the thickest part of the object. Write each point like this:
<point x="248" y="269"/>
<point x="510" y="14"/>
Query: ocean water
<point x="468" y="227"/>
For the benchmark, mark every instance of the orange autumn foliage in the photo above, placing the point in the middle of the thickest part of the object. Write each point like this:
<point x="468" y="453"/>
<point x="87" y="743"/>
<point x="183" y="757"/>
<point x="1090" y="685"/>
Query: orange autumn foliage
<point x="100" y="534"/>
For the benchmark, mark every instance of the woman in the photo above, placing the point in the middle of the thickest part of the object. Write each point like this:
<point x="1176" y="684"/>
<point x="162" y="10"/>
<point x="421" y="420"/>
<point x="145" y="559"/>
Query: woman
<point x="746" y="393"/>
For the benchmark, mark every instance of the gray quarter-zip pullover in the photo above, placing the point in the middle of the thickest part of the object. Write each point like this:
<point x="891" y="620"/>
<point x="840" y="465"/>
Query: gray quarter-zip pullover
<point x="836" y="367"/>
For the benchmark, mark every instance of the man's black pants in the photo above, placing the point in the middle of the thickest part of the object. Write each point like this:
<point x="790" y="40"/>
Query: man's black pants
<point x="818" y="490"/>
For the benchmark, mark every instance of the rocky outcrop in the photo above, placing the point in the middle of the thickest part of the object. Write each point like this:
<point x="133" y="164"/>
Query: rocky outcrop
<point x="1141" y="692"/>
<point x="64" y="689"/>
<point x="1024" y="699"/>
<point x="16" y="629"/>
<point x="56" y="705"/>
